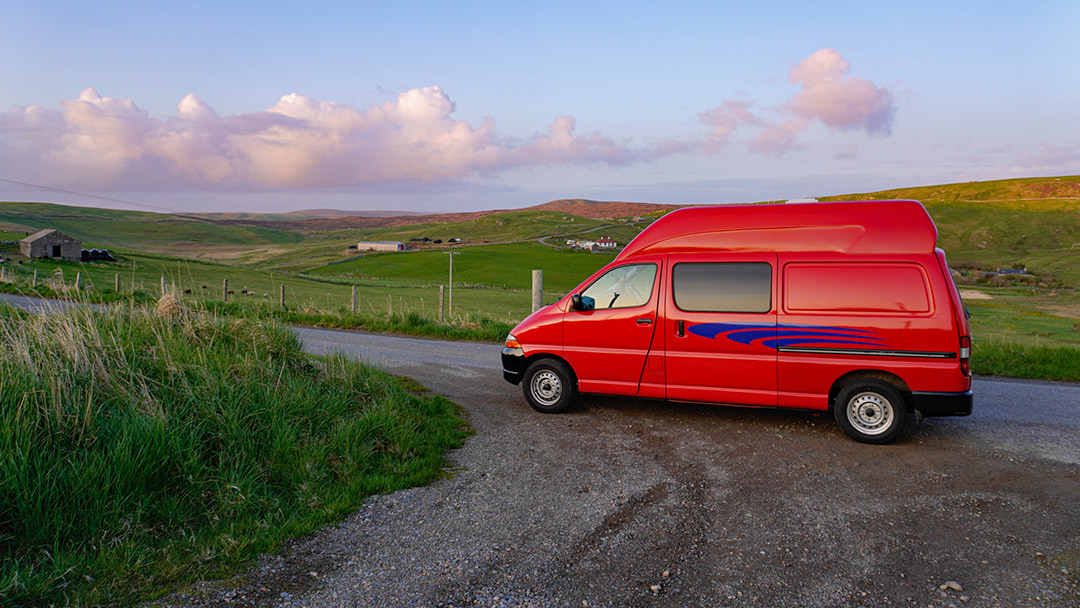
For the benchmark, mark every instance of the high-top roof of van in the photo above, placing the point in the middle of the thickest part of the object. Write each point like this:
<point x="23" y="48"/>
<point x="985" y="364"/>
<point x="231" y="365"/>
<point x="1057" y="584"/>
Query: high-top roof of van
<point x="861" y="227"/>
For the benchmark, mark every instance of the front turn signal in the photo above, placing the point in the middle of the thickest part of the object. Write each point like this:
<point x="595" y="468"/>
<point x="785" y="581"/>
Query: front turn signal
<point x="512" y="342"/>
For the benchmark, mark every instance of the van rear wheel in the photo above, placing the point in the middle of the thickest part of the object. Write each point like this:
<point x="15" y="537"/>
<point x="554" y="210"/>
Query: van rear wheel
<point x="549" y="386"/>
<point x="870" y="411"/>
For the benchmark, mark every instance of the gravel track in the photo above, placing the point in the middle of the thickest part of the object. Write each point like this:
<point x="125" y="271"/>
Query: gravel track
<point x="631" y="503"/>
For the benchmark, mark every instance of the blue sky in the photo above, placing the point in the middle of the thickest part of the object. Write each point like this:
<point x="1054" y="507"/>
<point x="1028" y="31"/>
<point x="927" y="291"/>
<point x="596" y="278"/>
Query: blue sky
<point x="431" y="106"/>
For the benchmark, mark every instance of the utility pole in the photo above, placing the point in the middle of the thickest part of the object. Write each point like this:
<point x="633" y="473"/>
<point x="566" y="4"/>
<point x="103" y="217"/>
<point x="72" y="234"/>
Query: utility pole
<point x="450" y="293"/>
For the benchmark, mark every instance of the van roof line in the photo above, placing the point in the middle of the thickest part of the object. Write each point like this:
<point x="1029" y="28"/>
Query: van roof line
<point x="856" y="227"/>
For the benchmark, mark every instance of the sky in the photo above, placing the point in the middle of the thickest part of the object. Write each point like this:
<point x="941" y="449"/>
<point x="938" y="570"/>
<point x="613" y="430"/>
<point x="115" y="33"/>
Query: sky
<point x="456" y="106"/>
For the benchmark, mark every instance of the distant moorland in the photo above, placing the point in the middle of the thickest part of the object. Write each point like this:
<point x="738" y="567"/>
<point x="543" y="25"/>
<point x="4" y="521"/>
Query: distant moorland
<point x="1029" y="224"/>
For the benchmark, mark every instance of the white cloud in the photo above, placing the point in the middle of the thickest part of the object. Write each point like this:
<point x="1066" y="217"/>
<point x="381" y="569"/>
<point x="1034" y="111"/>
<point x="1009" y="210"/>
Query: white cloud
<point x="298" y="142"/>
<point x="828" y="96"/>
<point x="837" y="101"/>
<point x="96" y="142"/>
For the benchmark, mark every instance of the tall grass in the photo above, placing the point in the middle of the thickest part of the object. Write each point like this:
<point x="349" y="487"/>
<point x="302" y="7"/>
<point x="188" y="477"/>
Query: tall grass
<point x="472" y="327"/>
<point x="140" y="448"/>
<point x="1025" y="361"/>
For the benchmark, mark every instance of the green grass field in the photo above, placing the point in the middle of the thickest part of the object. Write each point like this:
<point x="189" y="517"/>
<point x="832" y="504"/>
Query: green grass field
<point x="135" y="230"/>
<point x="1018" y="316"/>
<point x="198" y="281"/>
<point x="322" y="247"/>
<point x="142" y="449"/>
<point x="508" y="265"/>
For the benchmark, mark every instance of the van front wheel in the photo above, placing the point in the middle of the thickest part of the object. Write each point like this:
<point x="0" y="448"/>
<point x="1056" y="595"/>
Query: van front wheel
<point x="870" y="411"/>
<point x="549" y="386"/>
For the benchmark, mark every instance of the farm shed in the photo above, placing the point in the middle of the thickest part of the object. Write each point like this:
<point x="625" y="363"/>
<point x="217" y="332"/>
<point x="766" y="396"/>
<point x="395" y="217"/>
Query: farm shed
<point x="380" y="246"/>
<point x="51" y="244"/>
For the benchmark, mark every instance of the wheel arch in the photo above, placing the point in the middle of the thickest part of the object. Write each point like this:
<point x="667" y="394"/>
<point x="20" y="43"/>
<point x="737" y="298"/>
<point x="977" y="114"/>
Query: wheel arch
<point x="533" y="358"/>
<point x="863" y="374"/>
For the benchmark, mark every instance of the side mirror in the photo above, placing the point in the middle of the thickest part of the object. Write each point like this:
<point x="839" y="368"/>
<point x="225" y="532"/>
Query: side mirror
<point x="582" y="303"/>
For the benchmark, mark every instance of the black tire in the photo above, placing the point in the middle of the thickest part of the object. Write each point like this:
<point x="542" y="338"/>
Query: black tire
<point x="549" y="386"/>
<point x="871" y="411"/>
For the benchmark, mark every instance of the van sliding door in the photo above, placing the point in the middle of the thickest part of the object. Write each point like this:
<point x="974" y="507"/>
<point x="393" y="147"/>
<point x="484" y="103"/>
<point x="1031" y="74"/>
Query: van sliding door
<point x="721" y="329"/>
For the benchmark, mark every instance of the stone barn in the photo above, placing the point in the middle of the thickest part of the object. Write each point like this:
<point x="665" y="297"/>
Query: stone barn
<point x="51" y="244"/>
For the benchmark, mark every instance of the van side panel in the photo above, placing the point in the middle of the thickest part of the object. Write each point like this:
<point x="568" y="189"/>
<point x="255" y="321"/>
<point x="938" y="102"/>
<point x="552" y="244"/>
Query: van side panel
<point x="719" y="327"/>
<point x="887" y="315"/>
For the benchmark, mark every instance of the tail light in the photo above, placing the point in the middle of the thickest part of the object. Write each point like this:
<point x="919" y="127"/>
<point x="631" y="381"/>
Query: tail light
<point x="965" y="355"/>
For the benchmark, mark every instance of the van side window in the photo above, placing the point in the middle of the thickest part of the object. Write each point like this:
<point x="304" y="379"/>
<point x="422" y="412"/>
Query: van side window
<point x="878" y="288"/>
<point x="623" y="287"/>
<point x="723" y="287"/>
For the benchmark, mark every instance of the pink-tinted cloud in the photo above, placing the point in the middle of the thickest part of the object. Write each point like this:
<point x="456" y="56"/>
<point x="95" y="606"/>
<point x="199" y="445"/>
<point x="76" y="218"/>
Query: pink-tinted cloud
<point x="777" y="139"/>
<point x="96" y="141"/>
<point x="724" y="119"/>
<point x="840" y="102"/>
<point x="827" y="96"/>
<point x="1048" y="159"/>
<point x="561" y="145"/>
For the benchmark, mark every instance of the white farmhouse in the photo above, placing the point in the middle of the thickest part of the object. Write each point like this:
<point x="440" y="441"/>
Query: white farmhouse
<point x="380" y="246"/>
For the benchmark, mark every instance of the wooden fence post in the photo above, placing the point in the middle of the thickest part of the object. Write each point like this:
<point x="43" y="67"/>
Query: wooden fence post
<point x="34" y="284"/>
<point x="354" y="299"/>
<point x="537" y="289"/>
<point x="78" y="281"/>
<point x="283" y="297"/>
<point x="164" y="285"/>
<point x="116" y="283"/>
<point x="442" y="301"/>
<point x="225" y="290"/>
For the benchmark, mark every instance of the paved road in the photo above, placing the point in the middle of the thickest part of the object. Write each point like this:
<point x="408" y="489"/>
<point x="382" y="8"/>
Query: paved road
<point x="35" y="304"/>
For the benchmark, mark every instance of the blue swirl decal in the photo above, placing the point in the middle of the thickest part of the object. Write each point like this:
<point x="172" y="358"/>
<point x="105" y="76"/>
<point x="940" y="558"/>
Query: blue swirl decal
<point x="776" y="336"/>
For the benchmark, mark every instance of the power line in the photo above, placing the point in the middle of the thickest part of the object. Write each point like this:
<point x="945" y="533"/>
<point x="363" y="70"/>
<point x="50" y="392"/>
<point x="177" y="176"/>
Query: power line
<point x="93" y="196"/>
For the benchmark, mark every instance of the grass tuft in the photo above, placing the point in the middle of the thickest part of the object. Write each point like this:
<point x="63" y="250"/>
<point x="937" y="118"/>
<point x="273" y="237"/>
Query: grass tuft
<point x="143" y="448"/>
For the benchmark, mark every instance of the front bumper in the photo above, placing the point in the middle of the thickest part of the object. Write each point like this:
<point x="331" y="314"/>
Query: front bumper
<point x="513" y="362"/>
<point x="942" y="404"/>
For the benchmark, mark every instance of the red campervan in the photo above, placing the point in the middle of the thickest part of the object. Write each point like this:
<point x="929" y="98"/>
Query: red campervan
<point x="817" y="306"/>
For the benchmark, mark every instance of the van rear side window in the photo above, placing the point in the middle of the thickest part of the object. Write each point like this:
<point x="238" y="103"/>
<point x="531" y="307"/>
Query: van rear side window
<point x="723" y="287"/>
<point x="886" y="288"/>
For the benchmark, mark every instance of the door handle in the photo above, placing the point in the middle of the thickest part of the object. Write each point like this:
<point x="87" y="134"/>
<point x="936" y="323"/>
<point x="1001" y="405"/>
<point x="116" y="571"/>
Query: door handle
<point x="644" y="321"/>
<point x="681" y="330"/>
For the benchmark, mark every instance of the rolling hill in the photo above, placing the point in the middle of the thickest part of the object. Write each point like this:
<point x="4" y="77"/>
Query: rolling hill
<point x="1031" y="222"/>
